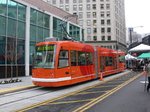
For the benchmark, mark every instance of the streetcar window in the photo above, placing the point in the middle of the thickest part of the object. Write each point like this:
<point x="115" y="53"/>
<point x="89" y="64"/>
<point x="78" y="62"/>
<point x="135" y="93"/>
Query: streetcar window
<point x="44" y="56"/>
<point x="89" y="58"/>
<point x="81" y="58"/>
<point x="63" y="59"/>
<point x="122" y="59"/>
<point x="73" y="58"/>
<point x="109" y="61"/>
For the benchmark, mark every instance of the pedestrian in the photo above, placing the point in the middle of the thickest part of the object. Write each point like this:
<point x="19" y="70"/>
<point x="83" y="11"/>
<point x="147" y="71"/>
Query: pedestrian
<point x="147" y="69"/>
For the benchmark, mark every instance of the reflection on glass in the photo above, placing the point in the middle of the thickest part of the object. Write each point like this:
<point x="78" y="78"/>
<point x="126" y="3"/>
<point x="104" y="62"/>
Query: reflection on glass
<point x="32" y="32"/>
<point x="33" y="16"/>
<point x="21" y="12"/>
<point x="21" y="30"/>
<point x="40" y="34"/>
<point x="2" y="25"/>
<point x="12" y="9"/>
<point x="3" y="7"/>
<point x="2" y="49"/>
<point x="46" y="21"/>
<point x="12" y="25"/>
<point x="40" y="19"/>
<point x="44" y="57"/>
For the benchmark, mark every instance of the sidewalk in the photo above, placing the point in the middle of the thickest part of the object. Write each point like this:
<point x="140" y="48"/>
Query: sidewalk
<point x="26" y="82"/>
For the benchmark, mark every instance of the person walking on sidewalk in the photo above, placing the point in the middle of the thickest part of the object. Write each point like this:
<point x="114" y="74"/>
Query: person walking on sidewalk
<point x="147" y="69"/>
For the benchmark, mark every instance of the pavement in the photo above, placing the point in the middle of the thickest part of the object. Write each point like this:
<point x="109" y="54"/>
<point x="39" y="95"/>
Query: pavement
<point x="133" y="97"/>
<point x="26" y="83"/>
<point x="7" y="87"/>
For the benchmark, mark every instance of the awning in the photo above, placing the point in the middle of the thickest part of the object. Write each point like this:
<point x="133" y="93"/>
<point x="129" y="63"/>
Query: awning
<point x="140" y="48"/>
<point x="130" y="57"/>
<point x="144" y="55"/>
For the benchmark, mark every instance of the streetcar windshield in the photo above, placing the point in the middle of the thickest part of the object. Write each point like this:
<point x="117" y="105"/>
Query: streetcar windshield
<point x="44" y="56"/>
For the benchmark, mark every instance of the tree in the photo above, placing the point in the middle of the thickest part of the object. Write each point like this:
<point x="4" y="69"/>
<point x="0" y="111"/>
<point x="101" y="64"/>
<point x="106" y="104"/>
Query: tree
<point x="13" y="53"/>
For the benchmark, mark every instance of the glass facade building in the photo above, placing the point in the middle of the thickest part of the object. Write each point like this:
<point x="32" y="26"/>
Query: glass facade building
<point x="21" y="27"/>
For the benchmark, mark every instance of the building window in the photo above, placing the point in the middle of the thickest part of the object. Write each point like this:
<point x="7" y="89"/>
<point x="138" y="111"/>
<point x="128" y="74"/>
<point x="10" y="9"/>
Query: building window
<point x="54" y="2"/>
<point x="109" y="37"/>
<point x="39" y="25"/>
<point x="74" y="32"/>
<point x="102" y="0"/>
<point x="94" y="30"/>
<point x="103" y="37"/>
<point x="102" y="30"/>
<point x="108" y="6"/>
<point x="94" y="6"/>
<point x="108" y="13"/>
<point x="74" y="7"/>
<point x="88" y="38"/>
<point x="48" y="1"/>
<point x="74" y="1"/>
<point x="74" y="13"/>
<point x="94" y="14"/>
<point x="61" y="1"/>
<point x="108" y="30"/>
<point x="108" y="22"/>
<point x="102" y="22"/>
<point x="88" y="14"/>
<point x="61" y="7"/>
<point x="15" y="20"/>
<point x="87" y="0"/>
<point x="94" y="22"/>
<point x="88" y="22"/>
<point x="3" y="25"/>
<point x="67" y="7"/>
<point x="94" y="38"/>
<point x="80" y="14"/>
<point x="102" y="6"/>
<point x="102" y="14"/>
<point x="80" y="7"/>
<point x="88" y="6"/>
<point x="80" y="1"/>
<point x="57" y="30"/>
<point x="80" y="22"/>
<point x="67" y="1"/>
<point x="88" y="30"/>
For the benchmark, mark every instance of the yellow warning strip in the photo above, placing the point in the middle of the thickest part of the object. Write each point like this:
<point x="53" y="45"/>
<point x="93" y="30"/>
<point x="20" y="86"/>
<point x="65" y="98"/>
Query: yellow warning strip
<point x="16" y="88"/>
<point x="65" y="95"/>
<point x="100" y="98"/>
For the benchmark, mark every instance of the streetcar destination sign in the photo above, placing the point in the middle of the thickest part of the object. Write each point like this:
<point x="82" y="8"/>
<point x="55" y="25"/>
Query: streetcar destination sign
<point x="45" y="48"/>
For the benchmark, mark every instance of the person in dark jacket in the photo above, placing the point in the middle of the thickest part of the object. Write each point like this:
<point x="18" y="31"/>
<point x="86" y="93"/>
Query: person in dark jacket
<point x="147" y="69"/>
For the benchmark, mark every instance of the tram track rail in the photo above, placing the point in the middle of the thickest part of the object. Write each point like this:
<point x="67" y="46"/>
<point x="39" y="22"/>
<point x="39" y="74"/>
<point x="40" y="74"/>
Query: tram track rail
<point x="24" y="94"/>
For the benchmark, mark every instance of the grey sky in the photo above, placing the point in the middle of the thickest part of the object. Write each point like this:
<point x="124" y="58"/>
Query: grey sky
<point x="138" y="14"/>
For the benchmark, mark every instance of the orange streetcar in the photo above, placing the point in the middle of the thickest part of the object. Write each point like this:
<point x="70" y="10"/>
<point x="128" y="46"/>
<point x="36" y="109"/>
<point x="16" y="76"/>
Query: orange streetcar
<point x="60" y="63"/>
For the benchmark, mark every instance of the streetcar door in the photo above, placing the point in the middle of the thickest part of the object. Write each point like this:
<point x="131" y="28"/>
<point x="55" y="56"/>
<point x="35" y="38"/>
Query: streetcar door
<point x="63" y="70"/>
<point x="102" y="64"/>
<point x="74" y="69"/>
